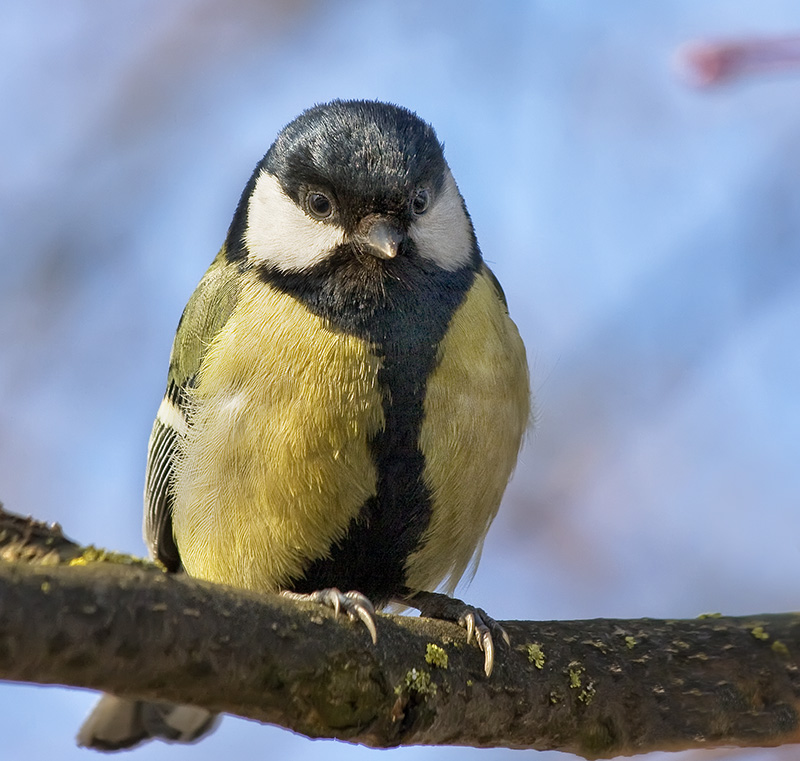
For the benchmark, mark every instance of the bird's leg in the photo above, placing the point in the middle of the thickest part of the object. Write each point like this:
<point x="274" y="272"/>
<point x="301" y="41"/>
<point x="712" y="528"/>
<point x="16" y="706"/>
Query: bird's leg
<point x="477" y="623"/>
<point x="356" y="605"/>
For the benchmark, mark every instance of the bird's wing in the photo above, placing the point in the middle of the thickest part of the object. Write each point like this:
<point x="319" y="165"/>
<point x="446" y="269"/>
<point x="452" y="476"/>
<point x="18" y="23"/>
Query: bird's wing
<point x="498" y="288"/>
<point x="207" y="311"/>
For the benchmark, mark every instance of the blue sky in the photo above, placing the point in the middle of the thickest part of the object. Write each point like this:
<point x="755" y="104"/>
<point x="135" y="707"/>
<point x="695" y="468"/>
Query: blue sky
<point x="646" y="234"/>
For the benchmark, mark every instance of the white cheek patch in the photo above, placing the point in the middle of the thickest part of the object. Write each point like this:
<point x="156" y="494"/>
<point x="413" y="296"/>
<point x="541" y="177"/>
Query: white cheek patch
<point x="444" y="234"/>
<point x="279" y="233"/>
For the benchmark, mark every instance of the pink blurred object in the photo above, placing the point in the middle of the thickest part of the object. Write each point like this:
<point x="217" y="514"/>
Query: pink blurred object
<point x="708" y="63"/>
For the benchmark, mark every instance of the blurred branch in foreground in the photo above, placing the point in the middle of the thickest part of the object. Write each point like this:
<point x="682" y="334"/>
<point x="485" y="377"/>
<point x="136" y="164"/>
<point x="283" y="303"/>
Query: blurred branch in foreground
<point x="709" y="63"/>
<point x="81" y="617"/>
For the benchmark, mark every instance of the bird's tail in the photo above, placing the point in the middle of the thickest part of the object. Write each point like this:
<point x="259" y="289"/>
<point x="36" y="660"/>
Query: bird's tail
<point x="118" y="723"/>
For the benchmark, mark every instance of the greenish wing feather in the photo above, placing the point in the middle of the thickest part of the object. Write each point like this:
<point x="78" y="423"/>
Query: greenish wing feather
<point x="499" y="288"/>
<point x="158" y="511"/>
<point x="206" y="313"/>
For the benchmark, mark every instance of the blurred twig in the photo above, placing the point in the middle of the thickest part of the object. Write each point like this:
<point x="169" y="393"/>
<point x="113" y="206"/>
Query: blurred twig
<point x="714" y="62"/>
<point x="26" y="539"/>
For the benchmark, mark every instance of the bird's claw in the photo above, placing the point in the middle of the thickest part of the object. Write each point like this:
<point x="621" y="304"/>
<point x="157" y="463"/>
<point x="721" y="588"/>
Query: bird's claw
<point x="480" y="627"/>
<point x="359" y="607"/>
<point x="356" y="605"/>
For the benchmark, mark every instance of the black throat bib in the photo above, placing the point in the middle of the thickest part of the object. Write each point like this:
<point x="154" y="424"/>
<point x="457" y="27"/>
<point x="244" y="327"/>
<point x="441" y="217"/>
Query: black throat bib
<point x="403" y="308"/>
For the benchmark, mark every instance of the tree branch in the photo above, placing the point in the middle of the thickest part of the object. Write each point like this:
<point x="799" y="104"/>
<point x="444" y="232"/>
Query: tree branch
<point x="595" y="688"/>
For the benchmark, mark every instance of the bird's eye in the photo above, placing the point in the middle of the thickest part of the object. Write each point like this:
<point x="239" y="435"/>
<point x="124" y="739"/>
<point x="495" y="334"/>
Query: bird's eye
<point x="420" y="202"/>
<point x="319" y="205"/>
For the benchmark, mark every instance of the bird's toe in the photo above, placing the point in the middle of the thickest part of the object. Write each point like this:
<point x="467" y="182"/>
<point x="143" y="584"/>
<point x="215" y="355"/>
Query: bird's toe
<point x="479" y="626"/>
<point x="354" y="604"/>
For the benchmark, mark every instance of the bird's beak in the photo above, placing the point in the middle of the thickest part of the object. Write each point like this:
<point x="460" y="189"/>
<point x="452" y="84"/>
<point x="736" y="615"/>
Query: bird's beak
<point x="382" y="237"/>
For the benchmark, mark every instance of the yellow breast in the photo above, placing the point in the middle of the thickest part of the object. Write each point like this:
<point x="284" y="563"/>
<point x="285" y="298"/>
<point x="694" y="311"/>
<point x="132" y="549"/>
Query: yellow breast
<point x="477" y="407"/>
<point x="276" y="463"/>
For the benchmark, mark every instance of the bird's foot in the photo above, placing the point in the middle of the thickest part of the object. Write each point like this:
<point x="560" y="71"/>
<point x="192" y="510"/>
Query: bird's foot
<point x="483" y="628"/>
<point x="356" y="605"/>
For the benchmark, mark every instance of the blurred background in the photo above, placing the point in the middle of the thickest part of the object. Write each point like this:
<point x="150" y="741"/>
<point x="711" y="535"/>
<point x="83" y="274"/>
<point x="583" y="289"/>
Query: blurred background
<point x="646" y="233"/>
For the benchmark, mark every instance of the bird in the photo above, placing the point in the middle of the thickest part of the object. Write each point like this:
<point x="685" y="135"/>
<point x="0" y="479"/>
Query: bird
<point x="347" y="394"/>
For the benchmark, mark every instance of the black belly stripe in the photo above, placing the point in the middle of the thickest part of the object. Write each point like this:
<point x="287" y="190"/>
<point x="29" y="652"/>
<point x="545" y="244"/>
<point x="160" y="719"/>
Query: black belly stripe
<point x="403" y="307"/>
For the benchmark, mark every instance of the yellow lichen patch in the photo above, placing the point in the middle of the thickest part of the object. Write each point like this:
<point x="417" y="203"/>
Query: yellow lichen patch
<point x="419" y="681"/>
<point x="586" y="695"/>
<point x="574" y="671"/>
<point x="631" y="642"/>
<point x="535" y="654"/>
<point x="577" y="673"/>
<point x="436" y="656"/>
<point x="759" y="633"/>
<point x="46" y="587"/>
<point x="780" y="649"/>
<point x="92" y="554"/>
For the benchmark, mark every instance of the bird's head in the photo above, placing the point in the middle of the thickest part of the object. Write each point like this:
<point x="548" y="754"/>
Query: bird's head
<point x="362" y="184"/>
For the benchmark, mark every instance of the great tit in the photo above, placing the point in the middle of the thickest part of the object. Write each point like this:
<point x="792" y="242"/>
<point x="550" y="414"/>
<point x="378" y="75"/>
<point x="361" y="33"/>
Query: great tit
<point x="347" y="394"/>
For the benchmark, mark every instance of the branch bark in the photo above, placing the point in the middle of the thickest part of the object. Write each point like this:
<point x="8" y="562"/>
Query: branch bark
<point x="600" y="688"/>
